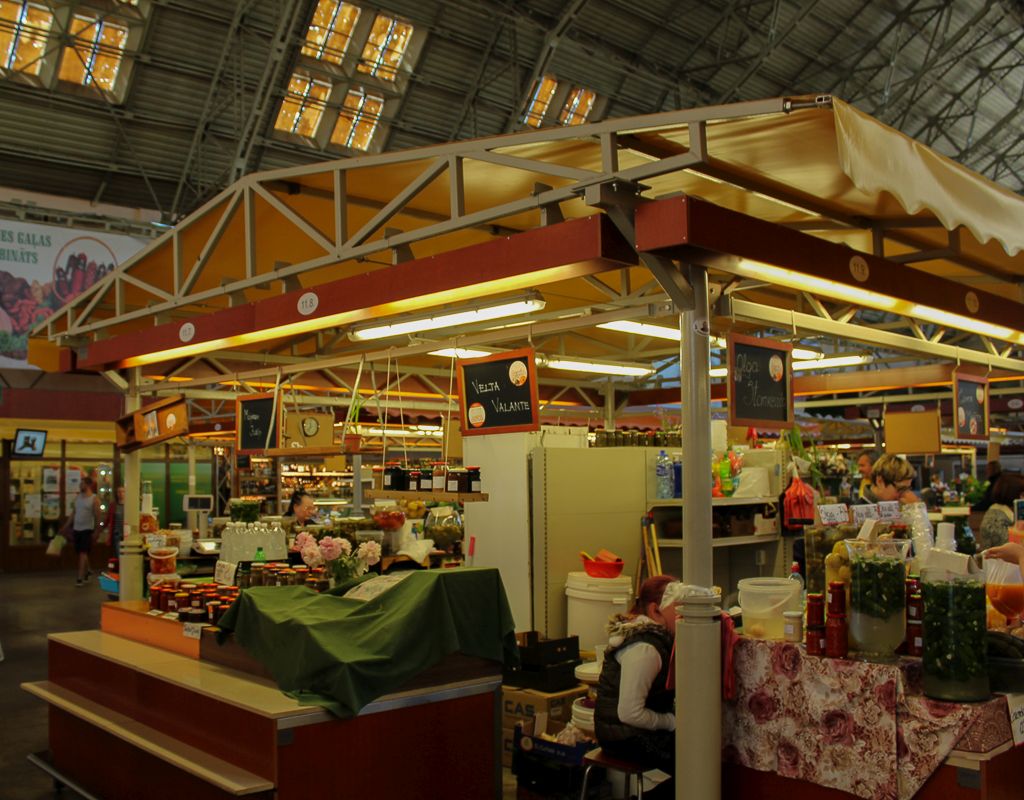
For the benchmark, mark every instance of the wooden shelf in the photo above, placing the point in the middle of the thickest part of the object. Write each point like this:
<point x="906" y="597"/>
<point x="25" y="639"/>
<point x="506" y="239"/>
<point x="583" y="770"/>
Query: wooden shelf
<point x="441" y="497"/>
<point x="715" y="501"/>
<point x="725" y="541"/>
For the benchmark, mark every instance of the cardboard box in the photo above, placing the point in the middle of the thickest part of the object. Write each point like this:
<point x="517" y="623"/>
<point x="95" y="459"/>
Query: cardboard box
<point x="508" y="743"/>
<point x="529" y="705"/>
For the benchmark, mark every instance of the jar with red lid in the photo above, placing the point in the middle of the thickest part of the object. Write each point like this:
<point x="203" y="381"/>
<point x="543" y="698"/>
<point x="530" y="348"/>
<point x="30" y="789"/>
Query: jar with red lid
<point x="915" y="638"/>
<point x="836" y="640"/>
<point x="837" y="598"/>
<point x="154" y="598"/>
<point x="165" y="597"/>
<point x="311" y="582"/>
<point x="915" y="609"/>
<point x="413" y="477"/>
<point x="815" y="640"/>
<point x="815" y="609"/>
<point x="178" y="601"/>
<point x="211" y="611"/>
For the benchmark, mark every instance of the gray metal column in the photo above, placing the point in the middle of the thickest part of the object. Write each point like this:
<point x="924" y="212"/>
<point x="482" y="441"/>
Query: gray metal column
<point x="698" y="631"/>
<point x="131" y="574"/>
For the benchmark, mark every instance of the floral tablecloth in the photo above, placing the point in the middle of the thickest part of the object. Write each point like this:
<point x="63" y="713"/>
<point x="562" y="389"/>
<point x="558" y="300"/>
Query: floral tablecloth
<point x="862" y="728"/>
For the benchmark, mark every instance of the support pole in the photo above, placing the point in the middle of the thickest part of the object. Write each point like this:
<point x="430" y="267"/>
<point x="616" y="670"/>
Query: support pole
<point x="698" y="631"/>
<point x="131" y="575"/>
<point x="609" y="406"/>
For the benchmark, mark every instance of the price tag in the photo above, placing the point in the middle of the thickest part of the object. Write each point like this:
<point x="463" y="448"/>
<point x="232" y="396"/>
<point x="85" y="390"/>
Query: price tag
<point x="171" y="615"/>
<point x="889" y="509"/>
<point x="864" y="512"/>
<point x="224" y="573"/>
<point x="837" y="514"/>
<point x="193" y="630"/>
<point x="1016" y="708"/>
<point x="154" y="612"/>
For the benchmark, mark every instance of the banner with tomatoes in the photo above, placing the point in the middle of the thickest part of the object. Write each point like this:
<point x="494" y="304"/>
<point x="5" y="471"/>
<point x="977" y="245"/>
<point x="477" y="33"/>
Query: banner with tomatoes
<point x="42" y="267"/>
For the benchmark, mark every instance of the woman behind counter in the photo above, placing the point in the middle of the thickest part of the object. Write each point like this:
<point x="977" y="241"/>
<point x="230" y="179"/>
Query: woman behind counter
<point x="998" y="518"/>
<point x="301" y="509"/>
<point x="634" y="718"/>
<point x="891" y="479"/>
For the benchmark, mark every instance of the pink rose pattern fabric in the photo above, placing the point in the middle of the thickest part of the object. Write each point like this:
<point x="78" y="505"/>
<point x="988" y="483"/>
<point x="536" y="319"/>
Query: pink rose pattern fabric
<point x="862" y="728"/>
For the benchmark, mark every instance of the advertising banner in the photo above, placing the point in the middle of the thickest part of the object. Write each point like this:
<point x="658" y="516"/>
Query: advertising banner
<point x="42" y="267"/>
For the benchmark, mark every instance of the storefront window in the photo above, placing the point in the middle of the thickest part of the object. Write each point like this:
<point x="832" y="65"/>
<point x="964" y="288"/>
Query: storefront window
<point x="43" y="490"/>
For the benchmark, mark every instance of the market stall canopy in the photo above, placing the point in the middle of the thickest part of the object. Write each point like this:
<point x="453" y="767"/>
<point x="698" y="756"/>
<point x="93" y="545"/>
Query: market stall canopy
<point x="812" y="164"/>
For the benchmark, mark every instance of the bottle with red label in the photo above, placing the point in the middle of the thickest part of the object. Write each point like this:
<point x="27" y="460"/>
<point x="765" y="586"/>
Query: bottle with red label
<point x="836" y="641"/>
<point x="815" y="631"/>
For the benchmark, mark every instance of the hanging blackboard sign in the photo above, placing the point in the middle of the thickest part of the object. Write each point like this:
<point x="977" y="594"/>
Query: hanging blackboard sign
<point x="498" y="393"/>
<point x="970" y="406"/>
<point x="760" y="383"/>
<point x="256" y="415"/>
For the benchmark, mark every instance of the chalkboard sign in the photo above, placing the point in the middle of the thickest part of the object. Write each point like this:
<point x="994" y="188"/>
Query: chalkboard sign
<point x="970" y="411"/>
<point x="760" y="383"/>
<point x="498" y="393"/>
<point x="257" y="415"/>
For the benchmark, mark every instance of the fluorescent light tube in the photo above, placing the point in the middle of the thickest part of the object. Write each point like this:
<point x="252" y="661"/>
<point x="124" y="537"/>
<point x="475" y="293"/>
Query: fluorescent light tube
<point x="810" y="283"/>
<point x="459" y="352"/>
<point x="450" y="319"/>
<point x="642" y="329"/>
<point x="963" y="323"/>
<point x="597" y="367"/>
<point x="832" y="362"/>
<point x="803" y="354"/>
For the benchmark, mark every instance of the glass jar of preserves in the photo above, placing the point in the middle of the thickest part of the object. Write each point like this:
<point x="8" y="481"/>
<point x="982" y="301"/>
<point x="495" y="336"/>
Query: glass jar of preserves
<point x="793" y="626"/>
<point x="439" y="475"/>
<point x="427" y="480"/>
<point x="815" y="640"/>
<point x="414" y="476"/>
<point x="815" y="609"/>
<point x="211" y="611"/>
<point x="915" y="638"/>
<point x="377" y="471"/>
<point x="458" y="480"/>
<point x="473" y="478"/>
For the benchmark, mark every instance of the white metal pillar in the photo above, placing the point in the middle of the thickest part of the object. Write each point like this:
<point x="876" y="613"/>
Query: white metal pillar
<point x="131" y="574"/>
<point x="609" y="405"/>
<point x="698" y="631"/>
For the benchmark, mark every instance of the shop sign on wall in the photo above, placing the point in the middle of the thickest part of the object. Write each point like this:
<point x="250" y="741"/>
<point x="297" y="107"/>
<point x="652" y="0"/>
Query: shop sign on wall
<point x="498" y="393"/>
<point x="42" y="267"/>
<point x="153" y="423"/>
<point x="970" y="401"/>
<point x="760" y="383"/>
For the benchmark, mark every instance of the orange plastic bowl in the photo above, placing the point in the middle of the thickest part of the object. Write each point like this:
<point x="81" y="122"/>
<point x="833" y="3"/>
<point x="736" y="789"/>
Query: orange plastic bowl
<point x="602" y="569"/>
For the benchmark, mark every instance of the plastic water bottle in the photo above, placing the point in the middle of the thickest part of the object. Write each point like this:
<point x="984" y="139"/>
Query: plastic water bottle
<point x="663" y="476"/>
<point x="794" y="575"/>
<point x="260" y="555"/>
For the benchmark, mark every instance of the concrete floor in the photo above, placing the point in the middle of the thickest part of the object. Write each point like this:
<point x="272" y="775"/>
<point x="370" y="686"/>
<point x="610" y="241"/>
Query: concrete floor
<point x="31" y="606"/>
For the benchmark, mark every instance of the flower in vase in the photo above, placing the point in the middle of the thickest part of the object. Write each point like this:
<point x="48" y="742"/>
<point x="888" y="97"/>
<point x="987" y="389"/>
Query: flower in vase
<point x="368" y="553"/>
<point x="303" y="540"/>
<point x="331" y="547"/>
<point x="311" y="555"/>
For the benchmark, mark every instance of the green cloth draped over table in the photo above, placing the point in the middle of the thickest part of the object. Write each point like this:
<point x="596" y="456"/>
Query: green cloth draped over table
<point x="342" y="654"/>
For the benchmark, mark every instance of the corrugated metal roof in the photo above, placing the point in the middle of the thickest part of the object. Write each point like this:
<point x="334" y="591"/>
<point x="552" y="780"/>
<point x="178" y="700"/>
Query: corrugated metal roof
<point x="950" y="74"/>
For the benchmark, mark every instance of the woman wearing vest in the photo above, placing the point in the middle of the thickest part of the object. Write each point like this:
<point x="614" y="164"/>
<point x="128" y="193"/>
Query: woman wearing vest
<point x="83" y="525"/>
<point x="634" y="718"/>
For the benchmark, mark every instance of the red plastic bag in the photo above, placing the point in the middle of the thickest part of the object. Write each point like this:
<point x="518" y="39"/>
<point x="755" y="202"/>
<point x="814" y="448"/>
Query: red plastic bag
<point x="798" y="504"/>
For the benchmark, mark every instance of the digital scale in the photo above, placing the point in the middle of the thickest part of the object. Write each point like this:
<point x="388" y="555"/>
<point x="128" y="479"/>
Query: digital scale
<point x="197" y="508"/>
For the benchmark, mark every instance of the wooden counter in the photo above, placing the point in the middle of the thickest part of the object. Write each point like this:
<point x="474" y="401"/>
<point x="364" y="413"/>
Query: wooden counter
<point x="131" y="720"/>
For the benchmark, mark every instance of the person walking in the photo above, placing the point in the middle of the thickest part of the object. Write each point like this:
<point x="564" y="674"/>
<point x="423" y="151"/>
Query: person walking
<point x="85" y="518"/>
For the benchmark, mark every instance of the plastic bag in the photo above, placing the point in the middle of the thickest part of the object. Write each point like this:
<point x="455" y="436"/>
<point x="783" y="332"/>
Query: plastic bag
<point x="56" y="545"/>
<point x="798" y="504"/>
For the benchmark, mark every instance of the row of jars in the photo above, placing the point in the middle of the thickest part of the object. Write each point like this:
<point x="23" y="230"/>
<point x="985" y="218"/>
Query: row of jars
<point x="279" y="573"/>
<point x="437" y="477"/>
<point x="619" y="438"/>
<point x="193" y="602"/>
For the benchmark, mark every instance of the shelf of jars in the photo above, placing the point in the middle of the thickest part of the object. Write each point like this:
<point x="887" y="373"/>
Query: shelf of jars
<point x="428" y="496"/>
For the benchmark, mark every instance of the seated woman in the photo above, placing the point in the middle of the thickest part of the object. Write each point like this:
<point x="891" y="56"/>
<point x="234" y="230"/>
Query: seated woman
<point x="891" y="479"/>
<point x="634" y="717"/>
<point x="999" y="516"/>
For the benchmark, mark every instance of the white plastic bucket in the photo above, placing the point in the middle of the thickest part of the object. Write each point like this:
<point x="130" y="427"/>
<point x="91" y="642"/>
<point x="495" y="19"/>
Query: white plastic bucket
<point x="763" y="600"/>
<point x="591" y="601"/>
<point x="582" y="717"/>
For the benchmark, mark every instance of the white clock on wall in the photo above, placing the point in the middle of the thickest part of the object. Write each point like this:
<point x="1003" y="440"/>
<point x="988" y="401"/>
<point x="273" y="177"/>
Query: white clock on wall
<point x="310" y="426"/>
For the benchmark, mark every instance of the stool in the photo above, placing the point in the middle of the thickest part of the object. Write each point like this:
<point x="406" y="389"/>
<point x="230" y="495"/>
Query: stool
<point x="598" y="758"/>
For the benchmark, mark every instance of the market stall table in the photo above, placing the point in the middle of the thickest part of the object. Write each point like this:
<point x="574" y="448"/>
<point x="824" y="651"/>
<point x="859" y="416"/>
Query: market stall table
<point x="864" y="729"/>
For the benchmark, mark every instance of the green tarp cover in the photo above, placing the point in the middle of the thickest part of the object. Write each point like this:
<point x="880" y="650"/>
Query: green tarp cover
<point x="342" y="654"/>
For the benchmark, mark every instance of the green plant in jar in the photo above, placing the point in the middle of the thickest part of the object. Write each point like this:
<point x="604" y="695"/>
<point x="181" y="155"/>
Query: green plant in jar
<point x="954" y="661"/>
<point x="877" y="597"/>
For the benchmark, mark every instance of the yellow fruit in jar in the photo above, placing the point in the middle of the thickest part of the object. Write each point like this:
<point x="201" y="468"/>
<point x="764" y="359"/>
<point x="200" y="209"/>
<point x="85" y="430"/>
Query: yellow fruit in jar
<point x="833" y="561"/>
<point x="840" y="548"/>
<point x="844" y="574"/>
<point x="756" y="630"/>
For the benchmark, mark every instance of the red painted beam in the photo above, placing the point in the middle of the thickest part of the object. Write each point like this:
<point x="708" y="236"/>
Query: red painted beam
<point x="700" y="232"/>
<point x="544" y="255"/>
<point x="44" y="404"/>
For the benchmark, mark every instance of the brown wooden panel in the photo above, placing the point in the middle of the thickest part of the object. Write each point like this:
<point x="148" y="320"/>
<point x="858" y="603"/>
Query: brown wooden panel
<point x="111" y="768"/>
<point x="221" y="729"/>
<point x="1002" y="778"/>
<point x="447" y="749"/>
